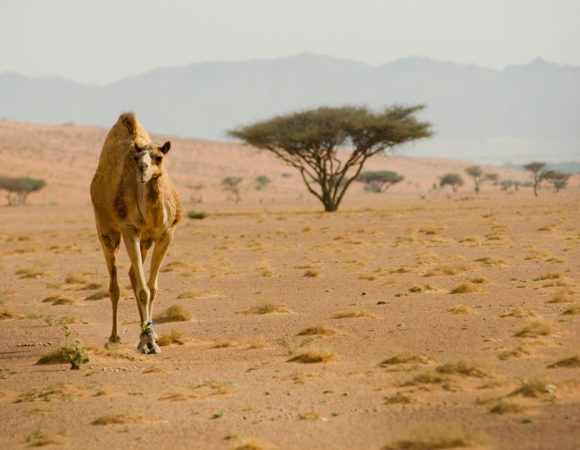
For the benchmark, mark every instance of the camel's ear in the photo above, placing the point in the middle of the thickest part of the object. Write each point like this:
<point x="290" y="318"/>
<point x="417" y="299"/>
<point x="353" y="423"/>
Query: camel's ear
<point x="139" y="149"/>
<point x="165" y="147"/>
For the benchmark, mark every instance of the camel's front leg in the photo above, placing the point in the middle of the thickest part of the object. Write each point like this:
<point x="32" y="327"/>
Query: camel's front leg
<point x="161" y="246"/>
<point x="132" y="242"/>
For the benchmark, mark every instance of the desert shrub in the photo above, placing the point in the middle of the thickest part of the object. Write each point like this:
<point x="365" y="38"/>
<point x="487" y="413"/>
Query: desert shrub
<point x="197" y="215"/>
<point x="20" y="188"/>
<point x="231" y="185"/>
<point x="559" y="180"/>
<point x="452" y="179"/>
<point x="262" y="182"/>
<point x="379" y="181"/>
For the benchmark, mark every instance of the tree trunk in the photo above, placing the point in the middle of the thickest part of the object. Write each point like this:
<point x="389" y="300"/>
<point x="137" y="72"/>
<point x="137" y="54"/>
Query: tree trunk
<point x="330" y="207"/>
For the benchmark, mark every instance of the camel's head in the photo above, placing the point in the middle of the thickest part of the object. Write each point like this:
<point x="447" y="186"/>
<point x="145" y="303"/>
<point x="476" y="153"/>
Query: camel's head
<point x="149" y="161"/>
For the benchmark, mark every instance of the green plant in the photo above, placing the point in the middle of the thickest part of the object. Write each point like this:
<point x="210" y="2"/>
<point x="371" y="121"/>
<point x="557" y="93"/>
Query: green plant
<point x="197" y="215"/>
<point x="262" y="182"/>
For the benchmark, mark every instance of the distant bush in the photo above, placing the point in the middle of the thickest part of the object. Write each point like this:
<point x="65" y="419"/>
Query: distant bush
<point x="262" y="182"/>
<point x="197" y="215"/>
<point x="556" y="178"/>
<point x="232" y="185"/>
<point x="452" y="179"/>
<point x="380" y="180"/>
<point x="535" y="169"/>
<point x="20" y="188"/>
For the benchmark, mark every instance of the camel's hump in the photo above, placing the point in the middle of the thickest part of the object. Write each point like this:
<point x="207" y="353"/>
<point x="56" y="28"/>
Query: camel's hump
<point x="129" y="121"/>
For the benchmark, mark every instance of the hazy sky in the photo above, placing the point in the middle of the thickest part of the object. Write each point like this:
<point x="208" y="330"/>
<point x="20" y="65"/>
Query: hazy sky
<point x="104" y="40"/>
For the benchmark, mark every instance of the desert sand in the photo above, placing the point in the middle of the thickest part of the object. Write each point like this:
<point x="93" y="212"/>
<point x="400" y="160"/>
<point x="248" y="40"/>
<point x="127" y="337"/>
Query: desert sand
<point x="404" y="319"/>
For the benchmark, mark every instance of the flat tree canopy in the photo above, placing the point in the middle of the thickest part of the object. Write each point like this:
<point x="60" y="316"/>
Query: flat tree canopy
<point x="310" y="140"/>
<point x="452" y="179"/>
<point x="379" y="180"/>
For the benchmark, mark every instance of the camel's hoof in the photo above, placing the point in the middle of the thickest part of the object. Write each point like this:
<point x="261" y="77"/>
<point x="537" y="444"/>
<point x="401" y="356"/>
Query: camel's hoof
<point x="112" y="343"/>
<point x="153" y="349"/>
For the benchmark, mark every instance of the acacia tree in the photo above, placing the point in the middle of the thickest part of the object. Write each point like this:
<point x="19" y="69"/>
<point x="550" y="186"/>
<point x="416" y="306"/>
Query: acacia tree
<point x="20" y="187"/>
<point x="309" y="141"/>
<point x="475" y="172"/>
<point x="232" y="185"/>
<point x="556" y="178"/>
<point x="380" y="180"/>
<point x="452" y="179"/>
<point x="535" y="168"/>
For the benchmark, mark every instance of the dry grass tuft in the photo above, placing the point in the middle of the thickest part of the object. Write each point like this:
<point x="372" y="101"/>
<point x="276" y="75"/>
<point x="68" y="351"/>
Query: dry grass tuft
<point x="406" y="358"/>
<point x="562" y="296"/>
<point x="311" y="273"/>
<point x="75" y="278"/>
<point x="57" y="300"/>
<point x="400" y="398"/>
<point x="267" y="308"/>
<point x="99" y="295"/>
<point x="524" y="349"/>
<point x="252" y="444"/>
<point x="123" y="419"/>
<point x="421" y="288"/>
<point x="353" y="315"/>
<point x="8" y="312"/>
<point x="317" y="331"/>
<point x="173" y="337"/>
<point x="433" y="438"/>
<point x="431" y="377"/>
<point x="40" y="439"/>
<point x="180" y="395"/>
<point x="461" y="309"/>
<point x="535" y="387"/>
<point x="309" y="415"/>
<point x="60" y="391"/>
<point x="174" y="313"/>
<point x="465" y="288"/>
<point x="548" y="276"/>
<point x="511" y="406"/>
<point x="314" y="356"/>
<point x="463" y="368"/>
<point x="447" y="270"/>
<point x="489" y="261"/>
<point x="570" y="362"/>
<point x="27" y="273"/>
<point x="479" y="280"/>
<point x="266" y="270"/>
<point x="572" y="311"/>
<point x="520" y="312"/>
<point x="154" y="369"/>
<point x="536" y="328"/>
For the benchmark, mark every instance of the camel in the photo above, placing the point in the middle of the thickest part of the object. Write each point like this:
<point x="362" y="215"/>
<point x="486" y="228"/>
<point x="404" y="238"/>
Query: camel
<point x="134" y="197"/>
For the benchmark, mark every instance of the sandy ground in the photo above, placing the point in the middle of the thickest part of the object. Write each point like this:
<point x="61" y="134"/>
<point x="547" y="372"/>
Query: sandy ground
<point x="405" y="360"/>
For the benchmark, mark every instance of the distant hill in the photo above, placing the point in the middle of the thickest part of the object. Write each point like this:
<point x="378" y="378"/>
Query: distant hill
<point x="567" y="167"/>
<point x="478" y="113"/>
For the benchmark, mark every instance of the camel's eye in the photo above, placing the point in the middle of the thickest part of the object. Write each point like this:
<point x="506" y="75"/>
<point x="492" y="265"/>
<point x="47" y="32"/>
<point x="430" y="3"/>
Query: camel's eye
<point x="136" y="158"/>
<point x="158" y="158"/>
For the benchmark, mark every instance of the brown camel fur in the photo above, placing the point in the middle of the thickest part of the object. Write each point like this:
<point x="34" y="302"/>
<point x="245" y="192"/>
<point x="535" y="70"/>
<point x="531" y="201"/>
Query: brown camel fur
<point x="134" y="197"/>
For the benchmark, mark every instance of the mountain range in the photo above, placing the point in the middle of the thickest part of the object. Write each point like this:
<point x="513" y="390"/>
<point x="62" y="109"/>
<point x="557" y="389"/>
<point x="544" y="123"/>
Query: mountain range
<point x="521" y="113"/>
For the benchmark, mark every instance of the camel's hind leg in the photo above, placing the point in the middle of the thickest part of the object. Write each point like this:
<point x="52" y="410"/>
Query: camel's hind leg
<point x="110" y="242"/>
